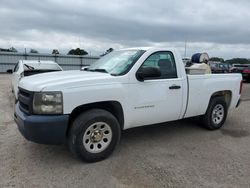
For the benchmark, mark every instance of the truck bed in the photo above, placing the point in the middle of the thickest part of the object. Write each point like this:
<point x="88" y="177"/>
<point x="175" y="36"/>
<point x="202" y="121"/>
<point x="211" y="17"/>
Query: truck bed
<point x="202" y="87"/>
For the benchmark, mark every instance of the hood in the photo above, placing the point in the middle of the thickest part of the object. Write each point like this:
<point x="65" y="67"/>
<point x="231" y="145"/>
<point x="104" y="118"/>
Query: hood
<point x="56" y="81"/>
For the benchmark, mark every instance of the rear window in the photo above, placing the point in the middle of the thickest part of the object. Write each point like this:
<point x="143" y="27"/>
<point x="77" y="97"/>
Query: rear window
<point x="43" y="66"/>
<point x="37" y="71"/>
<point x="241" y="66"/>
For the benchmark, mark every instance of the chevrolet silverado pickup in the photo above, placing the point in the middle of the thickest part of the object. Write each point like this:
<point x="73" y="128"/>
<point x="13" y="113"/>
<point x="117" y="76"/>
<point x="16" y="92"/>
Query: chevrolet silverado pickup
<point x="88" y="109"/>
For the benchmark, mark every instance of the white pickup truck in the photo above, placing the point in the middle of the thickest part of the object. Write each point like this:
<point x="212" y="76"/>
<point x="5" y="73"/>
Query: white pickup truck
<point x="127" y="88"/>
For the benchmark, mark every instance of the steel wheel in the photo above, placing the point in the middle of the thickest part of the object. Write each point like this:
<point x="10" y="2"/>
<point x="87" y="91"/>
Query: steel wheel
<point x="97" y="137"/>
<point x="218" y="114"/>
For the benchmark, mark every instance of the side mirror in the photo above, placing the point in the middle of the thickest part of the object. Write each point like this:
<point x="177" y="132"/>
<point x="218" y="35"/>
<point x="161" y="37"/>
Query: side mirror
<point x="10" y="71"/>
<point x="84" y="67"/>
<point x="147" y="72"/>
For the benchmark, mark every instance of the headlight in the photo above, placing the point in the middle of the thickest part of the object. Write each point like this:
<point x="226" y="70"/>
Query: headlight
<point x="48" y="103"/>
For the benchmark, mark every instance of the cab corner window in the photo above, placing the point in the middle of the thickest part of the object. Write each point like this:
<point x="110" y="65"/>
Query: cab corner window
<point x="164" y="61"/>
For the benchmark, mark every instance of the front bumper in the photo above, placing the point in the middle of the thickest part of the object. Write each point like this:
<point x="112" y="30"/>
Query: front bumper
<point x="42" y="129"/>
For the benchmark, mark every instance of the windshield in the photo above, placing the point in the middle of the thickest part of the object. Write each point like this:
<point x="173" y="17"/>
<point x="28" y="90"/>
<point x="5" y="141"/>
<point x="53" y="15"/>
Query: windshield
<point x="213" y="65"/>
<point x="117" y="62"/>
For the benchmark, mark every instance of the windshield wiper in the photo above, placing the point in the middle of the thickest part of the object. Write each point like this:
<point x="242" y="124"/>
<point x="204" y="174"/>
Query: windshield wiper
<point x="98" y="70"/>
<point x="29" y="67"/>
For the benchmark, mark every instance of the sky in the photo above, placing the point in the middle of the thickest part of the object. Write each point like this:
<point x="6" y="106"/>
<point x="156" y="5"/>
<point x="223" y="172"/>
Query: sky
<point x="221" y="28"/>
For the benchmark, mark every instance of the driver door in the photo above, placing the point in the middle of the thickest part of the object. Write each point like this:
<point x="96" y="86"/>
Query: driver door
<point x="159" y="99"/>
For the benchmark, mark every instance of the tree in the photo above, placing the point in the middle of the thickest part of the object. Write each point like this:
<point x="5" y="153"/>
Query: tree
<point x="12" y="49"/>
<point x="55" y="51"/>
<point x="217" y="59"/>
<point x="238" y="61"/>
<point x="77" y="51"/>
<point x="33" y="51"/>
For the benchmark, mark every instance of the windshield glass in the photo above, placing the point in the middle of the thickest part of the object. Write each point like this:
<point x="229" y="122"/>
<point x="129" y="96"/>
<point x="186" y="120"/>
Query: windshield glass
<point x="213" y="65"/>
<point x="117" y="62"/>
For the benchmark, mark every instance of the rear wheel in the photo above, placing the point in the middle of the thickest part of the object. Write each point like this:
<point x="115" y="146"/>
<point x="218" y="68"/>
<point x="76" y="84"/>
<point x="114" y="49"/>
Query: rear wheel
<point x="216" y="114"/>
<point x="94" y="135"/>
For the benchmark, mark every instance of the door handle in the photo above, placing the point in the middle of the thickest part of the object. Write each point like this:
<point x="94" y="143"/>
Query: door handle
<point x="175" y="87"/>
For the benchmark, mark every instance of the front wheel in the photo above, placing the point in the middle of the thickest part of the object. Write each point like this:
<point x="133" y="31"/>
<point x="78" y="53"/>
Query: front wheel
<point x="94" y="135"/>
<point x="216" y="114"/>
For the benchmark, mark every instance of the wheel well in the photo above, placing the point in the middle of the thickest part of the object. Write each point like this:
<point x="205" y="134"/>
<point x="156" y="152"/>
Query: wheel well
<point x="227" y="95"/>
<point x="113" y="107"/>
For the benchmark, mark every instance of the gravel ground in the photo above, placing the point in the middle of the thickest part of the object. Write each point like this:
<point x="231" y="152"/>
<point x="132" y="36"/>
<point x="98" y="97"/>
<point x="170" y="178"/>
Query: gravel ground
<point x="176" y="154"/>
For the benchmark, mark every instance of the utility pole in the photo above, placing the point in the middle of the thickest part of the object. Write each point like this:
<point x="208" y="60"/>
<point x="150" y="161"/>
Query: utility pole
<point x="185" y="53"/>
<point x="25" y="54"/>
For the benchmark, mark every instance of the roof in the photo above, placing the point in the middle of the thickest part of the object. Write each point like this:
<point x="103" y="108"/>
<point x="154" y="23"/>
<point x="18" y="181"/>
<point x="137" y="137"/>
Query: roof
<point x="37" y="62"/>
<point x="161" y="48"/>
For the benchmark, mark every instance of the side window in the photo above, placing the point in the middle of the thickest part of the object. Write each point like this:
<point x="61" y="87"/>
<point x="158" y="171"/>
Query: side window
<point x="16" y="67"/>
<point x="163" y="61"/>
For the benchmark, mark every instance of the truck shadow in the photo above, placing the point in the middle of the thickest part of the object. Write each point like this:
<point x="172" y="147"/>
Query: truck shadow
<point x="235" y="133"/>
<point x="131" y="138"/>
<point x="163" y="130"/>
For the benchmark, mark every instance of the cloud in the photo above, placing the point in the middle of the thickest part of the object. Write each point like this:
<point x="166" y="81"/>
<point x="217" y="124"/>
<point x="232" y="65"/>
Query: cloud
<point x="97" y="25"/>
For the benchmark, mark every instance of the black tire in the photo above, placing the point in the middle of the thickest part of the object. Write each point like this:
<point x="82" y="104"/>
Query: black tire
<point x="215" y="121"/>
<point x="81" y="127"/>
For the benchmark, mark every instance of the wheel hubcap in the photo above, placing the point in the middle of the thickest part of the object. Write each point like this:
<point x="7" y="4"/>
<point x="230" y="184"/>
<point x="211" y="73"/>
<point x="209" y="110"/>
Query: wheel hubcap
<point x="97" y="137"/>
<point x="218" y="114"/>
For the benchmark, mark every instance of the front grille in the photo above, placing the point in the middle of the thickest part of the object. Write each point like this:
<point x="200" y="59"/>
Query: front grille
<point x="25" y="100"/>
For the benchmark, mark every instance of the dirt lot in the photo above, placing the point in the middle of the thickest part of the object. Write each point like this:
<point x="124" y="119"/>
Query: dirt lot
<point x="177" y="154"/>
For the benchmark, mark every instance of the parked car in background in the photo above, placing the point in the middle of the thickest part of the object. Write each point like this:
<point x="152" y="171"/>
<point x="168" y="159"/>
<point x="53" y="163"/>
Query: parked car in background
<point x="25" y="68"/>
<point x="246" y="73"/>
<point x="244" y="69"/>
<point x="217" y="67"/>
<point x="238" y="68"/>
<point x="228" y="67"/>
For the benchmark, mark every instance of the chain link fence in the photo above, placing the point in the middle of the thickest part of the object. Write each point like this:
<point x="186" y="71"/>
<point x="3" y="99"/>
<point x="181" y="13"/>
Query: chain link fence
<point x="67" y="62"/>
